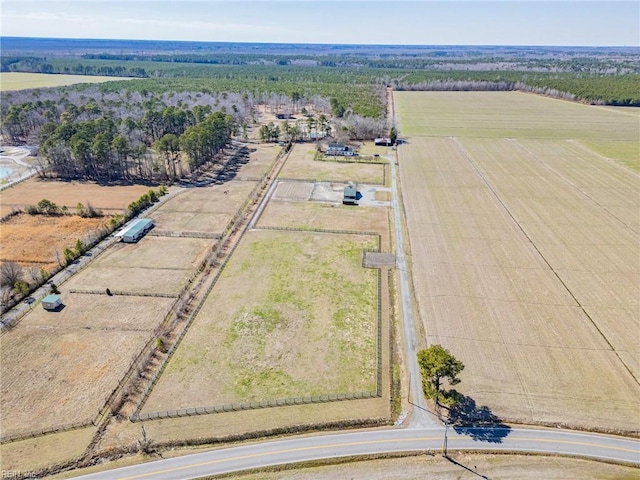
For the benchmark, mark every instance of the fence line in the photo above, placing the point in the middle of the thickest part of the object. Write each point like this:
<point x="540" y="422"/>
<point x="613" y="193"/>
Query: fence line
<point x="328" y="180"/>
<point x="38" y="433"/>
<point x="235" y="407"/>
<point x="137" y="416"/>
<point x="232" y="225"/>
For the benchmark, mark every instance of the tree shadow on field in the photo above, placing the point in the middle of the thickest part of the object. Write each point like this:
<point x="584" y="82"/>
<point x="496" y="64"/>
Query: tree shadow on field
<point x="477" y="422"/>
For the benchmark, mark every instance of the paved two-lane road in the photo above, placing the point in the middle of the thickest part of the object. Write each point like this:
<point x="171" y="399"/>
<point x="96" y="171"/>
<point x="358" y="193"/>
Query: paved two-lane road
<point x="301" y="449"/>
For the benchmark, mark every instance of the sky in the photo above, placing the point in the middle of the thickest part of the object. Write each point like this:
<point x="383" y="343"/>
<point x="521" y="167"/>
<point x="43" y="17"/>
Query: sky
<point x="424" y="22"/>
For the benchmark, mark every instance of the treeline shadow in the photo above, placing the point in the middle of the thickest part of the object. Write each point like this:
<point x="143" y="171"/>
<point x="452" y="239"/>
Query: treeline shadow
<point x="477" y="421"/>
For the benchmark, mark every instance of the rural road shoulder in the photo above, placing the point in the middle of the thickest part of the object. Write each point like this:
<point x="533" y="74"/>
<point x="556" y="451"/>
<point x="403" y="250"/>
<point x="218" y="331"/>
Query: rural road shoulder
<point x="302" y="449"/>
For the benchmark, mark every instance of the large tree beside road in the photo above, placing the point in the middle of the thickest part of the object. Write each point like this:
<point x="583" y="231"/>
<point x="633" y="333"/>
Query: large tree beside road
<point x="437" y="364"/>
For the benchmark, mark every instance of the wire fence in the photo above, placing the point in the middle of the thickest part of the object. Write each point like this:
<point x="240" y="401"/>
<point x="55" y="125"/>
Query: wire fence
<point x="236" y="407"/>
<point x="233" y="407"/>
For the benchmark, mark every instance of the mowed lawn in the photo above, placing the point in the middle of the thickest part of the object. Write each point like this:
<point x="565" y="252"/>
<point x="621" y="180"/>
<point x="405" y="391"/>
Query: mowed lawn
<point x="307" y="327"/>
<point x="525" y="254"/>
<point x="10" y="81"/>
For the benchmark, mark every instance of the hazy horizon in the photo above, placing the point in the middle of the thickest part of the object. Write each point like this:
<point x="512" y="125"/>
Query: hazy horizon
<point x="566" y="23"/>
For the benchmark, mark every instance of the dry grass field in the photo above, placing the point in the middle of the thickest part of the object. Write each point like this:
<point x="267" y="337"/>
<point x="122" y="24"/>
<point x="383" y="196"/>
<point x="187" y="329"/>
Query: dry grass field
<point x="525" y="255"/>
<point x="202" y="209"/>
<point x="59" y="367"/>
<point x="10" y="81"/>
<point x="300" y="165"/>
<point x="314" y="215"/>
<point x="143" y="267"/>
<point x="307" y="328"/>
<point x="608" y="132"/>
<point x="496" y="467"/>
<point x="35" y="239"/>
<point x="261" y="157"/>
<point x="107" y="198"/>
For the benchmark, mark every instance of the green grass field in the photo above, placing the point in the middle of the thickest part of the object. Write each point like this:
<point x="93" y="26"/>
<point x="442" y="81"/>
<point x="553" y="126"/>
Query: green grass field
<point x="307" y="327"/>
<point x="10" y="81"/>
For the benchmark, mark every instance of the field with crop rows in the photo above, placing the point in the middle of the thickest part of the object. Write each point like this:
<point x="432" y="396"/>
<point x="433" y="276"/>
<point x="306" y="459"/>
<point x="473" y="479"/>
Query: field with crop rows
<point x="308" y="327"/>
<point x="525" y="253"/>
<point x="609" y="132"/>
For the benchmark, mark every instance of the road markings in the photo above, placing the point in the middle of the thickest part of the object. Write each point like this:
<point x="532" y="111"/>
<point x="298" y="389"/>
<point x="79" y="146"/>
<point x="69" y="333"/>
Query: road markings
<point x="454" y="439"/>
<point x="278" y="452"/>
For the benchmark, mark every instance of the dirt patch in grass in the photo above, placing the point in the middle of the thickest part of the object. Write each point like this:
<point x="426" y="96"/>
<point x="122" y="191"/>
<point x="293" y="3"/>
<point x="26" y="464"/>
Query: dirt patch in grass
<point x="307" y="328"/>
<point x="300" y="165"/>
<point x="59" y="367"/>
<point x="35" y="453"/>
<point x="34" y="239"/>
<point x="107" y="198"/>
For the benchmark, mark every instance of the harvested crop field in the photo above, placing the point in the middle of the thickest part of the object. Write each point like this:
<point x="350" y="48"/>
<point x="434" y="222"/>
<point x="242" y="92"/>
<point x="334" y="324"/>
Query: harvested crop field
<point x="525" y="257"/>
<point x="10" y="81"/>
<point x="300" y="165"/>
<point x="59" y="367"/>
<point x="610" y="133"/>
<point x="307" y="328"/>
<point x="143" y="267"/>
<point x="35" y="239"/>
<point x="205" y="210"/>
<point x="108" y="198"/>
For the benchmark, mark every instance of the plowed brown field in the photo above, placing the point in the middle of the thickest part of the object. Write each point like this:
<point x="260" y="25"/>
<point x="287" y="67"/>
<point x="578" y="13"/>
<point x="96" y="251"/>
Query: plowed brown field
<point x="525" y="254"/>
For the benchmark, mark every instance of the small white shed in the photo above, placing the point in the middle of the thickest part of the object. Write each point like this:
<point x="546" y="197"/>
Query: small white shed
<point x="51" y="302"/>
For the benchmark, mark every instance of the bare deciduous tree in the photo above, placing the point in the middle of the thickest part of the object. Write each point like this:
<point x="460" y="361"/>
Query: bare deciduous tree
<point x="10" y="273"/>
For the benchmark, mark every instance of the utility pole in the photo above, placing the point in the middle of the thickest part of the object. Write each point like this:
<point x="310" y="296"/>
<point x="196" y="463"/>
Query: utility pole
<point x="444" y="442"/>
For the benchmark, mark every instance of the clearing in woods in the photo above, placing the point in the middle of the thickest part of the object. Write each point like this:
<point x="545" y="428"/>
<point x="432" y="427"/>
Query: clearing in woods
<point x="10" y="81"/>
<point x="525" y="252"/>
<point x="307" y="328"/>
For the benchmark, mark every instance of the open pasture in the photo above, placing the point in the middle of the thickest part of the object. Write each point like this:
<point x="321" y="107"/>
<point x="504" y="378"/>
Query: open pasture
<point x="58" y="367"/>
<point x="314" y="215"/>
<point x="107" y="198"/>
<point x="10" y="81"/>
<point x="308" y="327"/>
<point x="607" y="132"/>
<point x="143" y="267"/>
<point x="261" y="157"/>
<point x="525" y="266"/>
<point x="202" y="209"/>
<point x="35" y="239"/>
<point x="301" y="165"/>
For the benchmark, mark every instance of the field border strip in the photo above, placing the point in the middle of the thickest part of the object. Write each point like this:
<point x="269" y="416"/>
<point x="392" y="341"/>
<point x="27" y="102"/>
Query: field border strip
<point x="255" y="405"/>
<point x="46" y="431"/>
<point x="342" y="181"/>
